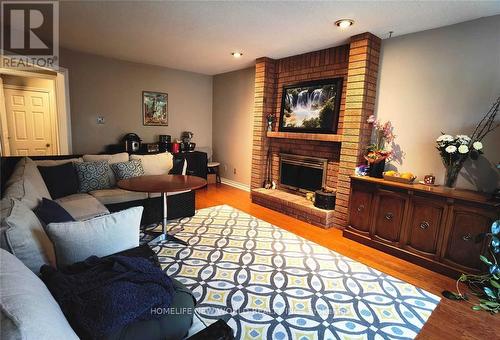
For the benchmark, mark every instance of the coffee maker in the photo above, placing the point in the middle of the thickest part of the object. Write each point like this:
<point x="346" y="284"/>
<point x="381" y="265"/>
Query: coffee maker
<point x="132" y="142"/>
<point x="164" y="143"/>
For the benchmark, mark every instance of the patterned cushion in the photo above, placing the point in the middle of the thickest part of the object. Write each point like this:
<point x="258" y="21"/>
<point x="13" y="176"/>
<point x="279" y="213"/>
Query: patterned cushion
<point x="93" y="175"/>
<point x="124" y="170"/>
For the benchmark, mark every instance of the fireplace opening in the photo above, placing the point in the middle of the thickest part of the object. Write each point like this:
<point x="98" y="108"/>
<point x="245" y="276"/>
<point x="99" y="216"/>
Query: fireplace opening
<point x="302" y="173"/>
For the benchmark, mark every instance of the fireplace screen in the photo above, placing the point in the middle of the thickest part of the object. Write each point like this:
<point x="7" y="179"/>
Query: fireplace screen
<point x="302" y="173"/>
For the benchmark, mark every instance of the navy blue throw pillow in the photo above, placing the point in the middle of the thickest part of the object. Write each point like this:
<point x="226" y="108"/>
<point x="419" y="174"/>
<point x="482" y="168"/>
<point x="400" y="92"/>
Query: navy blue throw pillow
<point x="61" y="180"/>
<point x="51" y="212"/>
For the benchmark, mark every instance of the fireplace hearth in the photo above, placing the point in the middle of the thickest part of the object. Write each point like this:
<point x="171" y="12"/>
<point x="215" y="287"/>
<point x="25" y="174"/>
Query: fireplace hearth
<point x="302" y="173"/>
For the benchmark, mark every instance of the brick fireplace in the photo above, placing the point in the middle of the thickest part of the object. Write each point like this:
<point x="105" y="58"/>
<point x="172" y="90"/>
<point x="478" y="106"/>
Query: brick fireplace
<point x="357" y="64"/>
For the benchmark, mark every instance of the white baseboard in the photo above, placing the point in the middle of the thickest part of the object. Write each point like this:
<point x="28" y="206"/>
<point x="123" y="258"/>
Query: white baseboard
<point x="235" y="184"/>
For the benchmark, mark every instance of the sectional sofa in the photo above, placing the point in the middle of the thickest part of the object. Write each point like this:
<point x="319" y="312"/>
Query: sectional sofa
<point x="28" y="309"/>
<point x="22" y="180"/>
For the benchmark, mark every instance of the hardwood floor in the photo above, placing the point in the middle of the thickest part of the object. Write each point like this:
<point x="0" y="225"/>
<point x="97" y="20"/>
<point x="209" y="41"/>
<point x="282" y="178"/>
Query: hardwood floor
<point x="450" y="320"/>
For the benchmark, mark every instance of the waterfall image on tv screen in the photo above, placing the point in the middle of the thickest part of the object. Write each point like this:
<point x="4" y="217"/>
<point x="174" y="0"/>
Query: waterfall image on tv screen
<point x="311" y="106"/>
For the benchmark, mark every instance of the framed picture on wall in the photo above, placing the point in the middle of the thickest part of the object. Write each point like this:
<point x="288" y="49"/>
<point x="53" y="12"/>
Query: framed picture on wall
<point x="155" y="108"/>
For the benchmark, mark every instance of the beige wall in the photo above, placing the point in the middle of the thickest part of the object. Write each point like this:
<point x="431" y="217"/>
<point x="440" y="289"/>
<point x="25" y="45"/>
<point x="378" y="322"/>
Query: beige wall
<point x="442" y="80"/>
<point x="233" y="100"/>
<point x="113" y="89"/>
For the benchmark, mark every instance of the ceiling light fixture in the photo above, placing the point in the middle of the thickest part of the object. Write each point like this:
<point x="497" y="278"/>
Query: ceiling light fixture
<point x="237" y="54"/>
<point x="344" y="23"/>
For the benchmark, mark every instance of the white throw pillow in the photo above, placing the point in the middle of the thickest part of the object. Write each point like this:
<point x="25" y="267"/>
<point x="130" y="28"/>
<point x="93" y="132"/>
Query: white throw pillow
<point x="100" y="236"/>
<point x="26" y="238"/>
<point x="55" y="162"/>
<point x="26" y="184"/>
<point x="28" y="310"/>
<point x="112" y="159"/>
<point x="159" y="164"/>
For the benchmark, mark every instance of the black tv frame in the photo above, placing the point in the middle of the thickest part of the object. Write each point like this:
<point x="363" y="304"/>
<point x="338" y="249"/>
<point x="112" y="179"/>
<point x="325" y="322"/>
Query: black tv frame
<point x="336" y="112"/>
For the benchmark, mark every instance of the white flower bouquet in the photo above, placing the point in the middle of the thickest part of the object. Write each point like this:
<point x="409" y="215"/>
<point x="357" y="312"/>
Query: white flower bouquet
<point x="455" y="150"/>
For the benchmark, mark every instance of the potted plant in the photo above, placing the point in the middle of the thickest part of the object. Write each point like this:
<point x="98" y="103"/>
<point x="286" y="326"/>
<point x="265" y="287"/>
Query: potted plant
<point x="485" y="287"/>
<point x="454" y="150"/>
<point x="376" y="155"/>
<point x="271" y="118"/>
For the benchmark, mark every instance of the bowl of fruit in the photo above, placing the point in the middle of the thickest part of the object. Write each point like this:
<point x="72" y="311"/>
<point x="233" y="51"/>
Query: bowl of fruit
<point x="403" y="177"/>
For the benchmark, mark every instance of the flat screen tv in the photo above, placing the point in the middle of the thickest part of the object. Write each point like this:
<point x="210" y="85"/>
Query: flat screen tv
<point x="311" y="107"/>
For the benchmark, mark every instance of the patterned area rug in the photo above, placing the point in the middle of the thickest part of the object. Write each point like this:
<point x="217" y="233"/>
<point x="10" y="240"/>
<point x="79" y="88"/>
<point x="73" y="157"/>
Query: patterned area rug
<point x="271" y="284"/>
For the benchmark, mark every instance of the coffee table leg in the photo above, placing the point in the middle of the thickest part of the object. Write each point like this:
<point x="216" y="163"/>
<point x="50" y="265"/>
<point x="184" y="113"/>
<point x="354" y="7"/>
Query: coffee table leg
<point x="164" y="235"/>
<point x="165" y="212"/>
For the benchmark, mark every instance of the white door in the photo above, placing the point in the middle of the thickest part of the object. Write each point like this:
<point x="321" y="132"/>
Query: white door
<point x="28" y="122"/>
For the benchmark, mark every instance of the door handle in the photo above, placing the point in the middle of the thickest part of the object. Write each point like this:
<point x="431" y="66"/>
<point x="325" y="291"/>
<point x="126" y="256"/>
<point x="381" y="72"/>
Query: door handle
<point x="389" y="216"/>
<point x="424" y="225"/>
<point x="47" y="145"/>
<point x="467" y="237"/>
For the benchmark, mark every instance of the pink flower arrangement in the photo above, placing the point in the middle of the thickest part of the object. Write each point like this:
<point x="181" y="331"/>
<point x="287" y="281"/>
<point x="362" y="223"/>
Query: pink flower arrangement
<point x="382" y="135"/>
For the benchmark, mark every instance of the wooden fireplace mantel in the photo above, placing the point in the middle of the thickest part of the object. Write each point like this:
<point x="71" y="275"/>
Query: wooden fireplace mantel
<point x="321" y="137"/>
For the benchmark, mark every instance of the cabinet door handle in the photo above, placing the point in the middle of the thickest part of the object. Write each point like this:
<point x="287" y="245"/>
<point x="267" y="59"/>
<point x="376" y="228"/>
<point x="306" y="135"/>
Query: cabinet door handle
<point x="467" y="237"/>
<point x="389" y="216"/>
<point x="424" y="225"/>
<point x="361" y="208"/>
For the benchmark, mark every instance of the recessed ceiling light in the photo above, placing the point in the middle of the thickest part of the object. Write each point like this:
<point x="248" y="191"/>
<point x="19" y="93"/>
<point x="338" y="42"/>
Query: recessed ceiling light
<point x="344" y="23"/>
<point x="237" y="54"/>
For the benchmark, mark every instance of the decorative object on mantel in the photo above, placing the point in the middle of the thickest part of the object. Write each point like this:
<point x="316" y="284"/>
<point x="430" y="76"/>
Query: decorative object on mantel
<point x="404" y="177"/>
<point x="485" y="287"/>
<point x="271" y="118"/>
<point x="454" y="151"/>
<point x="376" y="152"/>
<point x="325" y="198"/>
<point x="154" y="108"/>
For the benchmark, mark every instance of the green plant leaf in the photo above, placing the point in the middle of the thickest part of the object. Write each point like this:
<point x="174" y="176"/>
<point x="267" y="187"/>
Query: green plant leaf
<point x="485" y="260"/>
<point x="476" y="307"/>
<point x="485" y="307"/>
<point x="490" y="303"/>
<point x="489" y="292"/>
<point x="495" y="283"/>
<point x="452" y="295"/>
<point x="462" y="278"/>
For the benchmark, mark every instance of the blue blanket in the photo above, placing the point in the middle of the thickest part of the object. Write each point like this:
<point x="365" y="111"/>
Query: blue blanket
<point x="100" y="295"/>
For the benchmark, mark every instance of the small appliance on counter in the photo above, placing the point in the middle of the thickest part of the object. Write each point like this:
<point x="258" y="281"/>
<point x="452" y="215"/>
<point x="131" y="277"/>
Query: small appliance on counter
<point x="164" y="142"/>
<point x="132" y="142"/>
<point x="186" y="144"/>
<point x="175" y="147"/>
<point x="150" y="147"/>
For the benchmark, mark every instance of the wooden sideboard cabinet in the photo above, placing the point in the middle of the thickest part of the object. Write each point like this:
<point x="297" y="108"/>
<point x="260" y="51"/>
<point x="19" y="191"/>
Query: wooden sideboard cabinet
<point x="435" y="227"/>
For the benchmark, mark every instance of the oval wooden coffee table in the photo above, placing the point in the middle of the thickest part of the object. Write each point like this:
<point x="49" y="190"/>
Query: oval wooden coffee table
<point x="163" y="184"/>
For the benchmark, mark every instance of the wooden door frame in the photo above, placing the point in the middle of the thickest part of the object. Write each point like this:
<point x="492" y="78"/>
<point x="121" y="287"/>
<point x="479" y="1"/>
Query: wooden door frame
<point x="54" y="128"/>
<point x="4" y="130"/>
<point x="61" y="103"/>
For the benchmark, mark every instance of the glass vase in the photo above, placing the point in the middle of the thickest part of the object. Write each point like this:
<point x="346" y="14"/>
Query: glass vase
<point x="451" y="175"/>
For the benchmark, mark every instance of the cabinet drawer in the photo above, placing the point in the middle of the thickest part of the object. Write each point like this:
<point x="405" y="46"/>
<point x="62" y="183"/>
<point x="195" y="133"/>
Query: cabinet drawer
<point x="389" y="216"/>
<point x="466" y="225"/>
<point x="425" y="223"/>
<point x="359" y="211"/>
